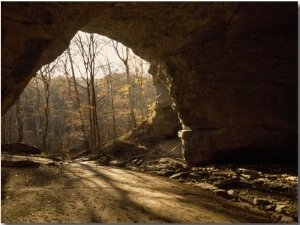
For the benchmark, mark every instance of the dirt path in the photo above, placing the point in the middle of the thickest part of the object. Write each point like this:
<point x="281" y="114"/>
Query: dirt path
<point x="86" y="193"/>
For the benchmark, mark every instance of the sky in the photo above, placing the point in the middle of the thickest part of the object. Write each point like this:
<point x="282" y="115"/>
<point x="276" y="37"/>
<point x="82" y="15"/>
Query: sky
<point x="105" y="45"/>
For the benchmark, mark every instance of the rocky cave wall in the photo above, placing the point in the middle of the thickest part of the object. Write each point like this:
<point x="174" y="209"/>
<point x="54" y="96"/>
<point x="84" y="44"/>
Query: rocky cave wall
<point x="231" y="67"/>
<point x="165" y="121"/>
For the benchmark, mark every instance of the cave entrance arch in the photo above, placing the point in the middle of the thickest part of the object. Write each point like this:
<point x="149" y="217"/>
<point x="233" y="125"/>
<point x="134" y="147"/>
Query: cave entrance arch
<point x="232" y="67"/>
<point x="90" y="64"/>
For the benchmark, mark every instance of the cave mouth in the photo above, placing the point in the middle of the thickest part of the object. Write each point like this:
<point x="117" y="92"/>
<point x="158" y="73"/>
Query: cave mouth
<point x="95" y="92"/>
<point x="265" y="156"/>
<point x="239" y="85"/>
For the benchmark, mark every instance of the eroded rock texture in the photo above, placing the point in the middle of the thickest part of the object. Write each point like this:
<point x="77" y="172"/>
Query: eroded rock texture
<point x="165" y="121"/>
<point x="231" y="67"/>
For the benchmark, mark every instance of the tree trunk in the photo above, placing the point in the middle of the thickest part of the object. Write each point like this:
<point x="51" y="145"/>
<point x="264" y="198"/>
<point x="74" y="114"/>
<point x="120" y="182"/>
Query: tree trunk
<point x="130" y="97"/>
<point x="90" y="116"/>
<point x="138" y="66"/>
<point x="88" y="53"/>
<point x="95" y="116"/>
<point x="46" y="80"/>
<point x="124" y="59"/>
<point x="19" y="120"/>
<point x="3" y="129"/>
<point x="92" y="56"/>
<point x="38" y="120"/>
<point x="112" y="103"/>
<point x="77" y="102"/>
<point x="9" y="130"/>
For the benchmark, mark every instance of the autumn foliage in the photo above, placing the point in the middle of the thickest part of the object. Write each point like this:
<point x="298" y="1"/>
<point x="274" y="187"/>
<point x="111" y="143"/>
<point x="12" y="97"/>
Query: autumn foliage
<point x="54" y="116"/>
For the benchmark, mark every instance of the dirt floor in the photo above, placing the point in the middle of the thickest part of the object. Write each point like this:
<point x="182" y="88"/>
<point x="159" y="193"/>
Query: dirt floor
<point x="82" y="191"/>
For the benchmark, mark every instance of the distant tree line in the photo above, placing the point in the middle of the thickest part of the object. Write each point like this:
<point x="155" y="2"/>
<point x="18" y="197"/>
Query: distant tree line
<point x="78" y="108"/>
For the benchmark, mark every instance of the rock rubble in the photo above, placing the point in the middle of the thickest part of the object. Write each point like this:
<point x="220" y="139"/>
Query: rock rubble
<point x="272" y="188"/>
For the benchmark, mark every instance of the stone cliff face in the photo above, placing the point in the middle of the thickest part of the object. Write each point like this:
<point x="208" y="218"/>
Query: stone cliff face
<point x="231" y="68"/>
<point x="165" y="121"/>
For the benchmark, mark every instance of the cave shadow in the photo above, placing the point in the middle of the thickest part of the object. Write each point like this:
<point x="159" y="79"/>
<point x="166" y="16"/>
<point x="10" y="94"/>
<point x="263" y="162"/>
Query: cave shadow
<point x="5" y="172"/>
<point x="263" y="157"/>
<point x="186" y="196"/>
<point x="38" y="175"/>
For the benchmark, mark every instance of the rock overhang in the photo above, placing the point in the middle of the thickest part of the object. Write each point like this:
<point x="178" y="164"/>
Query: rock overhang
<point x="230" y="66"/>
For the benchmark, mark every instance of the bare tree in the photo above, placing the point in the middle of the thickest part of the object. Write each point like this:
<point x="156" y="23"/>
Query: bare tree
<point x="39" y="118"/>
<point x="46" y="78"/>
<point x="45" y="74"/>
<point x="3" y="129"/>
<point x="77" y="103"/>
<point x="88" y="50"/>
<point x="10" y="128"/>
<point x="19" y="120"/>
<point x="137" y="64"/>
<point x="106" y="69"/>
<point x="61" y="112"/>
<point x="124" y="58"/>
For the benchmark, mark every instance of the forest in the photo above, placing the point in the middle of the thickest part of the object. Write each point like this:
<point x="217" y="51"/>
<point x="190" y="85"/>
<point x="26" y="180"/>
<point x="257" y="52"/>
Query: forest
<point x="93" y="93"/>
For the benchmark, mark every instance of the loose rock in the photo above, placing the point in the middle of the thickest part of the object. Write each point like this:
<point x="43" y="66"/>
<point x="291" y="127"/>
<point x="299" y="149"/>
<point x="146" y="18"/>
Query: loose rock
<point x="227" y="182"/>
<point x="206" y="186"/>
<point x="287" y="219"/>
<point x="280" y="208"/>
<point x="117" y="163"/>
<point x="179" y="175"/>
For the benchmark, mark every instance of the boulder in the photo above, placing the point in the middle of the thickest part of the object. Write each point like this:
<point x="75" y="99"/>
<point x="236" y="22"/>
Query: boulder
<point x="287" y="219"/>
<point x="104" y="160"/>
